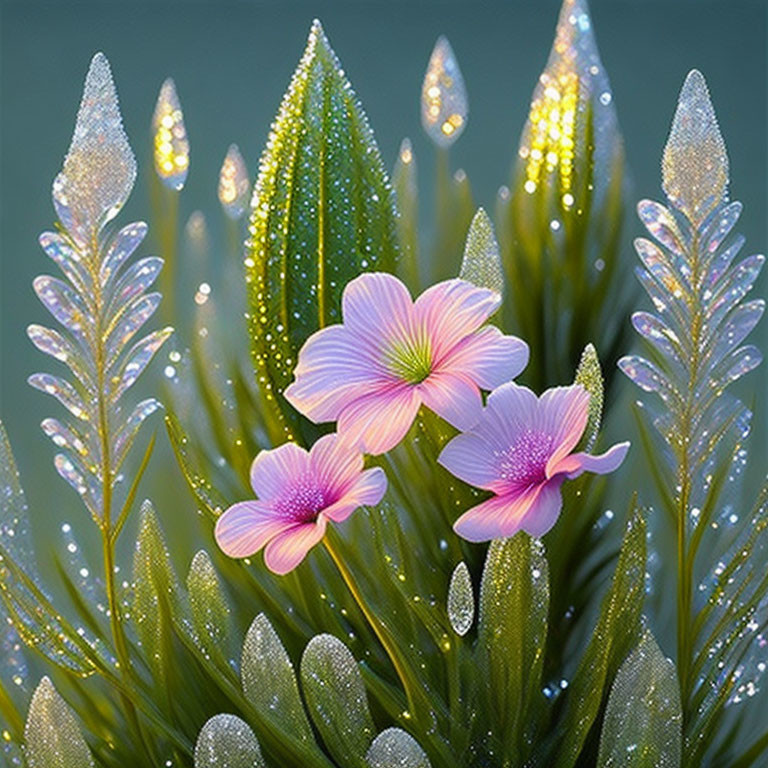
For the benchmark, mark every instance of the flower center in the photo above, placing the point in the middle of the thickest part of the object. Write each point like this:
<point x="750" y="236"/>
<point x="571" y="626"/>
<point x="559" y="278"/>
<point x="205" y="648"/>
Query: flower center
<point x="410" y="361"/>
<point x="524" y="463"/>
<point x="302" y="503"/>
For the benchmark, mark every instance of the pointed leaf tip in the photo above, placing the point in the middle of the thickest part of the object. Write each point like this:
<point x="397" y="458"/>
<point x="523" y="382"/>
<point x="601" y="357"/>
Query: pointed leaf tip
<point x="444" y="103"/>
<point x="171" y="146"/>
<point x="99" y="169"/>
<point x="481" y="264"/>
<point x="695" y="161"/>
<point x="234" y="184"/>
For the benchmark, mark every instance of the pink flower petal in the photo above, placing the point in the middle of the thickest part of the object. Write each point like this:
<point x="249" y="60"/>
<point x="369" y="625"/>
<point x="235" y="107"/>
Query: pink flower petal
<point x="334" y="464"/>
<point x="334" y="366"/>
<point x="498" y="517"/>
<point x="453" y="397"/>
<point x="576" y="463"/>
<point x="377" y="306"/>
<point x="488" y="357"/>
<point x="473" y="459"/>
<point x="367" y="490"/>
<point x="246" y="527"/>
<point x="544" y="510"/>
<point x="510" y="410"/>
<point x="273" y="471"/>
<point x="289" y="548"/>
<point x="377" y="422"/>
<point x="563" y="413"/>
<point x="451" y="310"/>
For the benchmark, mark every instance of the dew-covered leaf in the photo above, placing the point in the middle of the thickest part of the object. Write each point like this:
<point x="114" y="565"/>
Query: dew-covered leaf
<point x="269" y="681"/>
<point x="170" y="138"/>
<point x="394" y="748"/>
<point x="335" y="695"/>
<point x="99" y="169"/>
<point x="322" y="213"/>
<point x="616" y="633"/>
<point x="461" y="600"/>
<point x="482" y="259"/>
<point x="226" y="741"/>
<point x="234" y="184"/>
<point x="133" y="282"/>
<point x="52" y="735"/>
<point x="512" y="634"/>
<point x="120" y="249"/>
<point x="695" y="163"/>
<point x="155" y="593"/>
<point x="643" y="720"/>
<point x="66" y="256"/>
<point x="63" y="391"/>
<point x="137" y="359"/>
<point x="444" y="104"/>
<point x="51" y="342"/>
<point x="63" y="303"/>
<point x="590" y="376"/>
<point x="209" y="609"/>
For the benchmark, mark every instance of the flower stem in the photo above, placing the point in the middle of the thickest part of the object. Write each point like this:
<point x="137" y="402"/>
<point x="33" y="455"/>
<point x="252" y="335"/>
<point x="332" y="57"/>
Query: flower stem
<point x="377" y="626"/>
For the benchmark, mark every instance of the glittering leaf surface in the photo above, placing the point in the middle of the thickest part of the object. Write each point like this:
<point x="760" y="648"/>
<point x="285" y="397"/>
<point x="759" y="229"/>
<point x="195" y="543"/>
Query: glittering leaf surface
<point x="616" y="633"/>
<point x="234" y="184"/>
<point x="155" y="592"/>
<point x="512" y="633"/>
<point x="643" y="720"/>
<point x="52" y="735"/>
<point x="225" y="741"/>
<point x="269" y="682"/>
<point x="322" y="213"/>
<point x="335" y="695"/>
<point x="695" y="163"/>
<point x="99" y="169"/>
<point x="482" y="261"/>
<point x="461" y="600"/>
<point x="444" y="105"/>
<point x="209" y="608"/>
<point x="170" y="137"/>
<point x="396" y="748"/>
<point x="590" y="377"/>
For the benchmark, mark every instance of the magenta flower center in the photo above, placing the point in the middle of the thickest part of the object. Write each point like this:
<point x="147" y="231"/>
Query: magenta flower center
<point x="524" y="463"/>
<point x="302" y="503"/>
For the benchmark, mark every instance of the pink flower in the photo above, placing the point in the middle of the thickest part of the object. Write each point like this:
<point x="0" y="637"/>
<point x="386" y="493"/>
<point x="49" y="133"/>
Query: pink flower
<point x="299" y="492"/>
<point x="391" y="355"/>
<point x="521" y="449"/>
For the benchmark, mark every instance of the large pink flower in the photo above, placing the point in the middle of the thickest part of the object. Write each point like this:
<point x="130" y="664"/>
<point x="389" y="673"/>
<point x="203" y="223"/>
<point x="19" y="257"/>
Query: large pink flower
<point x="299" y="492"/>
<point x="522" y="450"/>
<point x="391" y="355"/>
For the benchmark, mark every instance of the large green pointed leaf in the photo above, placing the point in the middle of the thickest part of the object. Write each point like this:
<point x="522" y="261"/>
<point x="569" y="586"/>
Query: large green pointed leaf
<point x="335" y="694"/>
<point x="643" y="720"/>
<point x="482" y="261"/>
<point x="394" y="748"/>
<point x="52" y="734"/>
<point x="617" y="632"/>
<point x="590" y="376"/>
<point x="322" y="213"/>
<point x="208" y="608"/>
<point x="225" y="741"/>
<point x="269" y="682"/>
<point x="155" y="593"/>
<point x="512" y="633"/>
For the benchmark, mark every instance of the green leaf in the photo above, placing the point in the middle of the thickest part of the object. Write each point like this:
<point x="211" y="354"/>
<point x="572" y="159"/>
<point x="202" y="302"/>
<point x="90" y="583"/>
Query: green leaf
<point x="226" y="741"/>
<point x="269" y="682"/>
<point x="335" y="694"/>
<point x="155" y="594"/>
<point x="589" y="375"/>
<point x="482" y="260"/>
<point x="643" y="720"/>
<point x="322" y="213"/>
<point x="395" y="747"/>
<point x="209" y="609"/>
<point x="52" y="735"/>
<point x="512" y="633"/>
<point x="616" y="633"/>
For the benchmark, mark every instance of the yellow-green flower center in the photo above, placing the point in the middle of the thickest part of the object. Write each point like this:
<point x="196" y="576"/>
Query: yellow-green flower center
<point x="411" y="362"/>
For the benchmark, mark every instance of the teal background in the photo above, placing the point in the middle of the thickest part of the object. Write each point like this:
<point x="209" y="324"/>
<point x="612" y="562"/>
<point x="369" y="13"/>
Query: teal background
<point x="232" y="62"/>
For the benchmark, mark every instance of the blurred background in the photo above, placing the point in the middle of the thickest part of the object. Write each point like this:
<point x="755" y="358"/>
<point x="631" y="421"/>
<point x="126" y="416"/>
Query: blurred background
<point x="232" y="61"/>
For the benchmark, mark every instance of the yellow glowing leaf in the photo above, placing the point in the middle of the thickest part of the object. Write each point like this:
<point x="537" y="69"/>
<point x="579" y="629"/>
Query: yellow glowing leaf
<point x="233" y="184"/>
<point x="695" y="162"/>
<point x="444" y="107"/>
<point x="170" y="137"/>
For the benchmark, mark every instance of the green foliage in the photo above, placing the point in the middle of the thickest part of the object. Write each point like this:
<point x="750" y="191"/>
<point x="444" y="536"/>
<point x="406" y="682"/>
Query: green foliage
<point x="322" y="213"/>
<point x="643" y="719"/>
<point x="225" y="741"/>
